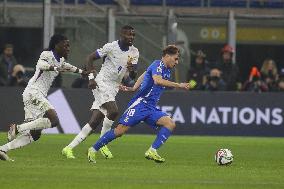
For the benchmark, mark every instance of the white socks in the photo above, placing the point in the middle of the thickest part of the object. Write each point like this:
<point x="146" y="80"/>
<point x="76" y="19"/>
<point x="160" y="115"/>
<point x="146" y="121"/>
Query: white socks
<point x="22" y="140"/>
<point x="41" y="123"/>
<point x="86" y="130"/>
<point x="107" y="123"/>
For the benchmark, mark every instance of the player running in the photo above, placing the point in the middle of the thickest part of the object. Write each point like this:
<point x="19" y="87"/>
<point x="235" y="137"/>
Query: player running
<point x="119" y="56"/>
<point x="39" y="113"/>
<point x="142" y="107"/>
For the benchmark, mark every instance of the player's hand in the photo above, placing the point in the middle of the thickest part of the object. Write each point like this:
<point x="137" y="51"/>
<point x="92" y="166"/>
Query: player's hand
<point x="92" y="84"/>
<point x="61" y="69"/>
<point x="130" y="66"/>
<point x="192" y="84"/>
<point x="185" y="86"/>
<point x="84" y="73"/>
<point x="91" y="71"/>
<point x="125" y="88"/>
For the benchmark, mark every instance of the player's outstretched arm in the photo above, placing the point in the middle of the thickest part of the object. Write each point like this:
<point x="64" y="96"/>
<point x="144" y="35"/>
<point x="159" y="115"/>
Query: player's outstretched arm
<point x="138" y="82"/>
<point x="158" y="80"/>
<point x="66" y="67"/>
<point x="90" y="59"/>
<point x="91" y="69"/>
<point x="43" y="65"/>
<point x="136" y="85"/>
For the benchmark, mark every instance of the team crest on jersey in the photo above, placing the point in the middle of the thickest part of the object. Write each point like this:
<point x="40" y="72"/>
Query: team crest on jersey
<point x="159" y="69"/>
<point x="130" y="59"/>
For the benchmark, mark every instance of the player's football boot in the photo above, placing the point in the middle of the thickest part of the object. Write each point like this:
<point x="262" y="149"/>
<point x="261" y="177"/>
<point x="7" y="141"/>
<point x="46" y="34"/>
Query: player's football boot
<point x="92" y="155"/>
<point x="106" y="152"/>
<point x="153" y="155"/>
<point x="4" y="156"/>
<point x="12" y="133"/>
<point x="68" y="153"/>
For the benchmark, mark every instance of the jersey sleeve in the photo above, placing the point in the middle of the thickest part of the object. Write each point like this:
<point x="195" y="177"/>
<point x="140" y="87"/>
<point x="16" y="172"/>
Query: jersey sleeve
<point x="136" y="57"/>
<point x="69" y="67"/>
<point x="157" y="69"/>
<point x="44" y="61"/>
<point x="105" y="50"/>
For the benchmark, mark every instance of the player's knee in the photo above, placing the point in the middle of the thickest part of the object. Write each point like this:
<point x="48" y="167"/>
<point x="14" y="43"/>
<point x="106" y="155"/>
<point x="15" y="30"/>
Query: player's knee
<point x="119" y="131"/>
<point x="171" y="125"/>
<point x="54" y="121"/>
<point x="35" y="134"/>
<point x="93" y="124"/>
<point x="112" y="114"/>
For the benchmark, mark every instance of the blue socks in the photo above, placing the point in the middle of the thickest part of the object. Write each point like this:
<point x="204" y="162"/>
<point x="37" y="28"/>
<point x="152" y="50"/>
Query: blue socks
<point x="162" y="136"/>
<point x="104" y="140"/>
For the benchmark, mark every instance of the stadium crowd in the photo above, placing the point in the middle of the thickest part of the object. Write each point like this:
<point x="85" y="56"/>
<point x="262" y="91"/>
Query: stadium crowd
<point x="224" y="74"/>
<point x="221" y="75"/>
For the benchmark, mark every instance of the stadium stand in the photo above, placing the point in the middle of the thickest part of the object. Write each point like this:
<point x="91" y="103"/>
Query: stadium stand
<point x="181" y="3"/>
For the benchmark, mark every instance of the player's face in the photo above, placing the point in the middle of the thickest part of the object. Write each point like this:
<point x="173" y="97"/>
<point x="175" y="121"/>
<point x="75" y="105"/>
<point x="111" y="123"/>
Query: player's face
<point x="63" y="48"/>
<point x="127" y="37"/>
<point x="8" y="51"/>
<point x="172" y="60"/>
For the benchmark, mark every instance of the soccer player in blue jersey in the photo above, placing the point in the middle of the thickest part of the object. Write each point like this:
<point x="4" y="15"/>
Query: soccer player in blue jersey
<point x="142" y="106"/>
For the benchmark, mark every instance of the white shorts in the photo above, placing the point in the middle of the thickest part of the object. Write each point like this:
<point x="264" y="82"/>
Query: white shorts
<point x="36" y="105"/>
<point x="105" y="92"/>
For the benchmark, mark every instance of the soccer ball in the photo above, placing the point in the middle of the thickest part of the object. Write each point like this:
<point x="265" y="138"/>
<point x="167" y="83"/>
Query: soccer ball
<point x="224" y="157"/>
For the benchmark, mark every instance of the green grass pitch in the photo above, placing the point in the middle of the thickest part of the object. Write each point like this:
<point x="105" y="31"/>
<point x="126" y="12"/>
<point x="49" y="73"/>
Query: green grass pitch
<point x="258" y="163"/>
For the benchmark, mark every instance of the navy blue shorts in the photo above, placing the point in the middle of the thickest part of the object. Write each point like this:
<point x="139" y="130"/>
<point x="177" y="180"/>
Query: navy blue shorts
<point x="141" y="112"/>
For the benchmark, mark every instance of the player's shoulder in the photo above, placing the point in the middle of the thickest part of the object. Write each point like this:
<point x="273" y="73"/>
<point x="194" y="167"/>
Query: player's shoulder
<point x="112" y="44"/>
<point x="154" y="65"/>
<point x="134" y="49"/>
<point x="157" y="63"/>
<point x="46" y="55"/>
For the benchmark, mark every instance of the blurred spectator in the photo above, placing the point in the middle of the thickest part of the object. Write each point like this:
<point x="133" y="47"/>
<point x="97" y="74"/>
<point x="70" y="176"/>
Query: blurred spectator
<point x="280" y="83"/>
<point x="214" y="81"/>
<point x="254" y="83"/>
<point x="229" y="69"/>
<point x="80" y="82"/>
<point x="199" y="70"/>
<point x="18" y="76"/>
<point x="57" y="83"/>
<point x="7" y="62"/>
<point x="127" y="81"/>
<point x="124" y="5"/>
<point x="269" y="74"/>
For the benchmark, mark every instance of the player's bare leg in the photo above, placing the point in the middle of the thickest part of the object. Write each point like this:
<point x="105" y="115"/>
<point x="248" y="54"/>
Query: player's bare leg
<point x="112" y="112"/>
<point x="20" y="141"/>
<point x="168" y="126"/>
<point x="26" y="137"/>
<point x="96" y="119"/>
<point x="49" y="120"/>
<point x="105" y="139"/>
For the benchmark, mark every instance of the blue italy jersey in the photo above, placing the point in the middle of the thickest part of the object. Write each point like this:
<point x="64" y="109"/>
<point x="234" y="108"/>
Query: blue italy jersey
<point x="149" y="91"/>
<point x="142" y="106"/>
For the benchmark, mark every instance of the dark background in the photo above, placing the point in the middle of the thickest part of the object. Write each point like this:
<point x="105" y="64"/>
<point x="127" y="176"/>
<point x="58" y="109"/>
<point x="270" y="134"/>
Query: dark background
<point x="80" y="101"/>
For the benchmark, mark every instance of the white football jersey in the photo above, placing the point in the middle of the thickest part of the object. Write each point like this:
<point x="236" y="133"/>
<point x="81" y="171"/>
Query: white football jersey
<point x="42" y="80"/>
<point x="115" y="62"/>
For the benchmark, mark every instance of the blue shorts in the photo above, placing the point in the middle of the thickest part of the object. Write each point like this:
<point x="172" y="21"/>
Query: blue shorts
<point x="141" y="112"/>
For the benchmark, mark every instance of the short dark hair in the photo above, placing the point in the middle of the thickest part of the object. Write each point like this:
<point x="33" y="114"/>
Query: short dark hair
<point x="8" y="45"/>
<point x="55" y="39"/>
<point x="127" y="27"/>
<point x="170" y="50"/>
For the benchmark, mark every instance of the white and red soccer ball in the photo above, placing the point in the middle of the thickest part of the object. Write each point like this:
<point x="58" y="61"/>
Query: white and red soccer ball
<point x="224" y="157"/>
